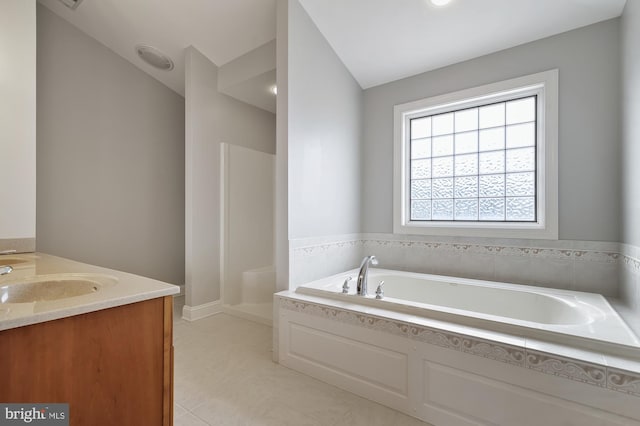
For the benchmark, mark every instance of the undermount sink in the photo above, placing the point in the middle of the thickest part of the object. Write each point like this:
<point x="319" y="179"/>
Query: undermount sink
<point x="10" y="261"/>
<point x="48" y="288"/>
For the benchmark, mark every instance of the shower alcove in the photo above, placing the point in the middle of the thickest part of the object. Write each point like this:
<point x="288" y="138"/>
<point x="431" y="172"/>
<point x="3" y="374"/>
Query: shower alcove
<point x="247" y="225"/>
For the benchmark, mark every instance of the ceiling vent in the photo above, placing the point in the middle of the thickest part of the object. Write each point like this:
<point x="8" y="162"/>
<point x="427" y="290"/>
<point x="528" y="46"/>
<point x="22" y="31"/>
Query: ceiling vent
<point x="71" y="4"/>
<point x="154" y="57"/>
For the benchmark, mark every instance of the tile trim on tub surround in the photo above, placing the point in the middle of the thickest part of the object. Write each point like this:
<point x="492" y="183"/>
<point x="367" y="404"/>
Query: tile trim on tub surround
<point x="589" y="373"/>
<point x="505" y="250"/>
<point x="591" y="266"/>
<point x="314" y="246"/>
<point x="296" y="243"/>
<point x="631" y="256"/>
<point x="599" y="251"/>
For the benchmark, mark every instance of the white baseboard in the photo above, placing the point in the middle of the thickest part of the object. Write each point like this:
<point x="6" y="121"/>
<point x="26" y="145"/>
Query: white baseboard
<point x="193" y="313"/>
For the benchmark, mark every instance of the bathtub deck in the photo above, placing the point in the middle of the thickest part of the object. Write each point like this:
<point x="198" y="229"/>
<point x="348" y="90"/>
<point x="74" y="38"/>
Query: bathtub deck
<point x="448" y="373"/>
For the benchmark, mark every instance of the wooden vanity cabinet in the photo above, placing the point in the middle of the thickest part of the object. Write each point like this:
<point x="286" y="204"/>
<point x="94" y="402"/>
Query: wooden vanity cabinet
<point x="113" y="366"/>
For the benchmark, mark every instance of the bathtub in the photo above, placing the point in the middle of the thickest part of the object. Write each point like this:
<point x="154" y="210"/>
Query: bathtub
<point x="584" y="319"/>
<point x="455" y="351"/>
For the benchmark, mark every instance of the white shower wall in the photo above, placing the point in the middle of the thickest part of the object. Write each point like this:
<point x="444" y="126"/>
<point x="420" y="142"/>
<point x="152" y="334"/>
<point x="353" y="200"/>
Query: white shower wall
<point x="248" y="220"/>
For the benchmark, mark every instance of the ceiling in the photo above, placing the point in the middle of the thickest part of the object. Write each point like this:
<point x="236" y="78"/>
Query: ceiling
<point x="378" y="40"/>
<point x="221" y="29"/>
<point x="385" y="40"/>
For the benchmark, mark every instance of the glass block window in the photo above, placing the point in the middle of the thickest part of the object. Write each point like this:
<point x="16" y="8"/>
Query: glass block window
<point x="475" y="164"/>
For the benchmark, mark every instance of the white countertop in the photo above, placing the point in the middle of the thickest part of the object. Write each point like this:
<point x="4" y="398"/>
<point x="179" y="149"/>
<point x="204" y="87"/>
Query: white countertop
<point x="124" y="288"/>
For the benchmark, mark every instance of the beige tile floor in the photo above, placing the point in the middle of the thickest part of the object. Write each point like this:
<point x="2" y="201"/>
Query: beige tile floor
<point x="224" y="375"/>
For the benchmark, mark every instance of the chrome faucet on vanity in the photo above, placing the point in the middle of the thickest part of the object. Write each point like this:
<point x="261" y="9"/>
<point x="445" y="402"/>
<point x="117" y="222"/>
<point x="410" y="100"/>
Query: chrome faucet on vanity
<point x="362" y="275"/>
<point x="5" y="269"/>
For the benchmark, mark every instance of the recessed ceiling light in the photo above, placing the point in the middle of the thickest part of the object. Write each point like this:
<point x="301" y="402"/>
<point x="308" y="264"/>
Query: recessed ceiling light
<point x="440" y="2"/>
<point x="154" y="57"/>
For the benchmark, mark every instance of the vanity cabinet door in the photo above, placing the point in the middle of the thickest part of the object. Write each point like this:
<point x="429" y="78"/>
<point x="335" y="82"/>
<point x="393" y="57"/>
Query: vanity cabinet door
<point x="113" y="367"/>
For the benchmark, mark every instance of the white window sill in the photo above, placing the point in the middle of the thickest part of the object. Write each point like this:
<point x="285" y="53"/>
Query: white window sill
<point x="534" y="231"/>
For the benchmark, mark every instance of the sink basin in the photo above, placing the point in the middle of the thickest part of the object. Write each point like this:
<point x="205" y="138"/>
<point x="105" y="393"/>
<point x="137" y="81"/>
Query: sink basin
<point x="4" y="261"/>
<point x="42" y="289"/>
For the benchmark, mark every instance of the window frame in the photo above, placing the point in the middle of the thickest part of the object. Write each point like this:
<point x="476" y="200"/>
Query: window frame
<point x="544" y="85"/>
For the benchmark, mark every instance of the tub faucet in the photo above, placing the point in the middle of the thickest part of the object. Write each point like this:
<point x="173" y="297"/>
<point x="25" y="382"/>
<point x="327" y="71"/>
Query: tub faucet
<point x="4" y="270"/>
<point x="362" y="275"/>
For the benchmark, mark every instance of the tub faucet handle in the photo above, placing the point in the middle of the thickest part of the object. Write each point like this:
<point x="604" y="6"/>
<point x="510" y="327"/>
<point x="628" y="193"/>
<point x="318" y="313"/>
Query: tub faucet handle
<point x="345" y="286"/>
<point x="380" y="291"/>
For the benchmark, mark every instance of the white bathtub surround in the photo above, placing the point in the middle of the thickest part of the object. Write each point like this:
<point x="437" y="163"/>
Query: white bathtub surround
<point x="314" y="258"/>
<point x="629" y="293"/>
<point x="629" y="273"/>
<point x="608" y="268"/>
<point x="566" y="264"/>
<point x="448" y="373"/>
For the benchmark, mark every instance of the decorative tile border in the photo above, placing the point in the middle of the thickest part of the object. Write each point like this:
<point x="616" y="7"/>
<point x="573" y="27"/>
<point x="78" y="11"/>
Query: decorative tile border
<point x="631" y="263"/>
<point x="573" y="265"/>
<point x="597" y="256"/>
<point x="461" y="248"/>
<point x="435" y="337"/>
<point x="315" y="250"/>
<point x="592" y="374"/>
<point x="498" y="352"/>
<point x="344" y="316"/>
<point x="623" y="381"/>
<point x="572" y="369"/>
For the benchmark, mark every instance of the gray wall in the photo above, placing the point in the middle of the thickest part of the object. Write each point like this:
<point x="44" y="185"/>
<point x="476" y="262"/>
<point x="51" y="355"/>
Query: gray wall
<point x="631" y="123"/>
<point x="588" y="60"/>
<point x="325" y="131"/>
<point x="110" y="157"/>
